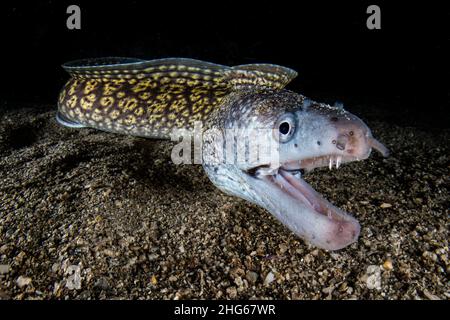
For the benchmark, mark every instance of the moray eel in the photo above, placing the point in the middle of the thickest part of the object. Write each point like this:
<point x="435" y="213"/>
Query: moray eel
<point x="237" y="107"/>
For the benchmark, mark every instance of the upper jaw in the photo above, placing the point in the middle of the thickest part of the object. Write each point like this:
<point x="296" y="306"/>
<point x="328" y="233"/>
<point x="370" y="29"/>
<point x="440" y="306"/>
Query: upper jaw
<point x="330" y="160"/>
<point x="337" y="157"/>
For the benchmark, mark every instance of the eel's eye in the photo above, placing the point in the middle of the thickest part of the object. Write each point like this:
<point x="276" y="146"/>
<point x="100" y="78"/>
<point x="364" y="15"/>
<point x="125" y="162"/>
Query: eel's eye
<point x="285" y="128"/>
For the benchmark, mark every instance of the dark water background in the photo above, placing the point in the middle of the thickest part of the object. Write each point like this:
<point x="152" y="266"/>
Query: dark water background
<point x="400" y="72"/>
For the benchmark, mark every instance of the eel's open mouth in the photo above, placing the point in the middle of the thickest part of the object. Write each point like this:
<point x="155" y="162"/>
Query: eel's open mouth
<point x="301" y="208"/>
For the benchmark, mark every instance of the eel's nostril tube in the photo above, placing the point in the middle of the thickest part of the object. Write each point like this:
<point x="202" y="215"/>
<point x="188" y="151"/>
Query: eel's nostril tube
<point x="341" y="141"/>
<point x="377" y="145"/>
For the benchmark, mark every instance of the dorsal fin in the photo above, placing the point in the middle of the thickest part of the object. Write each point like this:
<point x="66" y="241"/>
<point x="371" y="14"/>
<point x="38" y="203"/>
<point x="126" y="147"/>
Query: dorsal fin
<point x="238" y="77"/>
<point x="261" y="75"/>
<point x="129" y="68"/>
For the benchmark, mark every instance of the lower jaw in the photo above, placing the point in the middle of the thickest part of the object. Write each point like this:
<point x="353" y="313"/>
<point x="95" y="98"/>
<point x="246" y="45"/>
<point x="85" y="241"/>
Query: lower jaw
<point x="307" y="213"/>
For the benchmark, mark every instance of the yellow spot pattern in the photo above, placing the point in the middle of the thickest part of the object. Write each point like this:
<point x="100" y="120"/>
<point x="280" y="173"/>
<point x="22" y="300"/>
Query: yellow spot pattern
<point x="148" y="101"/>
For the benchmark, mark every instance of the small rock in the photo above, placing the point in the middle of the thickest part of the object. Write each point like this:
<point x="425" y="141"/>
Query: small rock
<point x="173" y="278"/>
<point x="74" y="280"/>
<point x="343" y="287"/>
<point x="373" y="280"/>
<point x="237" y="272"/>
<point x="19" y="258"/>
<point x="4" y="268"/>
<point x="153" y="257"/>
<point x="131" y="262"/>
<point x="430" y="296"/>
<point x="238" y="281"/>
<point x="283" y="248"/>
<point x="153" y="280"/>
<point x="251" y="276"/>
<point x="385" y="205"/>
<point x="269" y="278"/>
<point x="387" y="265"/>
<point x="4" y="295"/>
<point x="328" y="290"/>
<point x="107" y="192"/>
<point x="102" y="284"/>
<point x="65" y="196"/>
<point x="55" y="267"/>
<point x="23" y="281"/>
<point x="57" y="289"/>
<point x="109" y="253"/>
<point x="232" y="292"/>
<point x="430" y="256"/>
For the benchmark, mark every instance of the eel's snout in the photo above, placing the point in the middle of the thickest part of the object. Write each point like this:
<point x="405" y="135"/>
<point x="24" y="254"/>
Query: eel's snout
<point x="354" y="138"/>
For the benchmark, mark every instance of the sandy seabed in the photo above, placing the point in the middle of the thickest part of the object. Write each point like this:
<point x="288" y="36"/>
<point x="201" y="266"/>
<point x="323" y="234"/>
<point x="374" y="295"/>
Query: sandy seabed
<point x="86" y="214"/>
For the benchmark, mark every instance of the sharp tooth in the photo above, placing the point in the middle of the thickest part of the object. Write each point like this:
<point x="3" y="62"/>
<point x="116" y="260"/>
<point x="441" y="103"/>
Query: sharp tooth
<point x="338" y="162"/>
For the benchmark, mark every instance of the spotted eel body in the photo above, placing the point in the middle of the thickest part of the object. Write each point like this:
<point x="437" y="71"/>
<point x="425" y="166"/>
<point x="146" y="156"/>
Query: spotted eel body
<point x="151" y="98"/>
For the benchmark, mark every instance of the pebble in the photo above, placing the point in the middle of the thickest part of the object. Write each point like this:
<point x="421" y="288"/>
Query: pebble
<point x="269" y="278"/>
<point x="173" y="278"/>
<point x="430" y="296"/>
<point x="430" y="256"/>
<point x="73" y="282"/>
<point x="4" y="268"/>
<point x="283" y="248"/>
<point x="343" y="287"/>
<point x="153" y="256"/>
<point x="385" y="205"/>
<point x="232" y="292"/>
<point x="373" y="277"/>
<point x="109" y="253"/>
<point x="102" y="284"/>
<point x="387" y="265"/>
<point x="328" y="290"/>
<point x="238" y="281"/>
<point x="55" y="267"/>
<point x="251" y="276"/>
<point x="23" y="281"/>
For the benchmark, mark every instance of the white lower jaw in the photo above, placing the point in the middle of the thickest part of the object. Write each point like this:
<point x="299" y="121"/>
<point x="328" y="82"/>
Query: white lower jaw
<point x="332" y="231"/>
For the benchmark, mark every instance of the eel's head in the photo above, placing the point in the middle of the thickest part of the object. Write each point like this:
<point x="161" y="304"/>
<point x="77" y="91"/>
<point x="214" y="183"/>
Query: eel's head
<point x="280" y="136"/>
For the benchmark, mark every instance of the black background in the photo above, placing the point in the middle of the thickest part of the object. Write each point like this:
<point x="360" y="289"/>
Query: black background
<point x="401" y="71"/>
